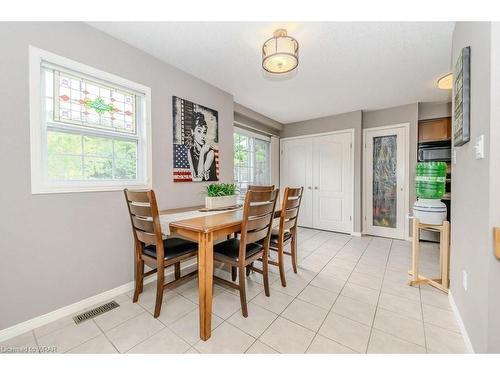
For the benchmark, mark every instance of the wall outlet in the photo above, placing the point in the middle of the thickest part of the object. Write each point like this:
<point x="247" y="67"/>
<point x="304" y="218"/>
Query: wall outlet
<point x="464" y="279"/>
<point x="454" y="156"/>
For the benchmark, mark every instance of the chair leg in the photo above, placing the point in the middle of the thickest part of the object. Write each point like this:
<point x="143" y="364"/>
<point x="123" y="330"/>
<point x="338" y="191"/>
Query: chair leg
<point x="265" y="272"/>
<point x="294" y="252"/>
<point x="281" y="265"/>
<point x="177" y="270"/>
<point x="243" y="295"/>
<point x="139" y="279"/>
<point x="249" y="270"/>
<point x="233" y="273"/>
<point x="159" y="290"/>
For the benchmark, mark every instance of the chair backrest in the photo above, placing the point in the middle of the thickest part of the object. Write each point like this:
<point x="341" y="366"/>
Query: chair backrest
<point x="260" y="187"/>
<point x="290" y="209"/>
<point x="258" y="214"/>
<point x="145" y="220"/>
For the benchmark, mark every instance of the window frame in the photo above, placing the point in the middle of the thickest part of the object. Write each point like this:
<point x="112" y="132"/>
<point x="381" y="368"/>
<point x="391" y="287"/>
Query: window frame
<point x="39" y="127"/>
<point x="258" y="136"/>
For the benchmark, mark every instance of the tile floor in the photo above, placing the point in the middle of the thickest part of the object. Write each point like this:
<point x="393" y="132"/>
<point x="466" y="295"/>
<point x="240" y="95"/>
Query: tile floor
<point x="349" y="296"/>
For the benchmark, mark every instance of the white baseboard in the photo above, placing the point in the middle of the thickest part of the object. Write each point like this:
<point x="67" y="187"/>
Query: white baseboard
<point x="41" y="320"/>
<point x="356" y="234"/>
<point x="461" y="325"/>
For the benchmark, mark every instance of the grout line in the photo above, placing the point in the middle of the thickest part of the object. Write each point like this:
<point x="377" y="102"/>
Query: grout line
<point x="379" y="294"/>
<point x="423" y="321"/>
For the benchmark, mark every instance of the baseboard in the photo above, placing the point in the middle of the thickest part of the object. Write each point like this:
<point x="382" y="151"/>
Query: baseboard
<point x="461" y="325"/>
<point x="356" y="234"/>
<point x="41" y="320"/>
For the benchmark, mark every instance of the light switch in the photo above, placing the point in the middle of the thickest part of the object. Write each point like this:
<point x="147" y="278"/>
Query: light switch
<point x="479" y="147"/>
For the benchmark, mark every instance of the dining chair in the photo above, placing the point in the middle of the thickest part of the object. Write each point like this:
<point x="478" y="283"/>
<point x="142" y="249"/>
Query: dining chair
<point x="260" y="187"/>
<point x="152" y="249"/>
<point x="286" y="233"/>
<point x="253" y="243"/>
<point x="253" y="188"/>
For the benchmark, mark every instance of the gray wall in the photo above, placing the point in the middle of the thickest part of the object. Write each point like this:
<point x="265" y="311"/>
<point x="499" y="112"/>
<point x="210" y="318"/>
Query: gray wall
<point x="58" y="249"/>
<point x="428" y="110"/>
<point x="351" y="120"/>
<point x="471" y="238"/>
<point x="494" y="263"/>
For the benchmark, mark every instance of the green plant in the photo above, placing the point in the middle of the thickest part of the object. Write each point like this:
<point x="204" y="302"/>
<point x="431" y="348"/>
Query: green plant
<point x="221" y="190"/>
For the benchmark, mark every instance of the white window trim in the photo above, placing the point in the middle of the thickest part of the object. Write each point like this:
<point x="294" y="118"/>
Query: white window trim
<point x="249" y="133"/>
<point x="38" y="184"/>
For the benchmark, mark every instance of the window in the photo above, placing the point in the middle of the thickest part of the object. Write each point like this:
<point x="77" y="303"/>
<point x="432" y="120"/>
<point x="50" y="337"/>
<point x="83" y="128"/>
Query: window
<point x="251" y="159"/>
<point x="89" y="129"/>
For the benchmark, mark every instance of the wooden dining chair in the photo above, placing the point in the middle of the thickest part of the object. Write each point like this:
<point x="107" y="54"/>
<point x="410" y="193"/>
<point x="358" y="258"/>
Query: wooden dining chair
<point x="150" y="247"/>
<point x="252" y="188"/>
<point x="258" y="213"/>
<point x="260" y="187"/>
<point x="287" y="230"/>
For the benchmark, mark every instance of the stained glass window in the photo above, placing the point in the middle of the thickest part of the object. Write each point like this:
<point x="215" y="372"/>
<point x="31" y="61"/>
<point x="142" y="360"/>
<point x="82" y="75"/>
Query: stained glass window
<point x="94" y="130"/>
<point x="80" y="101"/>
<point x="385" y="181"/>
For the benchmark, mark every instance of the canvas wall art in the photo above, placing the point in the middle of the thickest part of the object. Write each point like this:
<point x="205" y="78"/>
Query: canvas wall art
<point x="196" y="142"/>
<point x="461" y="99"/>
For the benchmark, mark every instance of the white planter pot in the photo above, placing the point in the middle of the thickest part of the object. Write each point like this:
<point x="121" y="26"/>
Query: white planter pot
<point x="219" y="202"/>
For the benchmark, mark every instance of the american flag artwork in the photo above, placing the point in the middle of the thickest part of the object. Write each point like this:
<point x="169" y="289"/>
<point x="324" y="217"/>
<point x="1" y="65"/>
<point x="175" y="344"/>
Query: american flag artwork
<point x="195" y="139"/>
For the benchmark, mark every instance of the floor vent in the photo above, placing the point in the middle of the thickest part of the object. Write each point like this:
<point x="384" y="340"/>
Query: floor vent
<point x="95" y="312"/>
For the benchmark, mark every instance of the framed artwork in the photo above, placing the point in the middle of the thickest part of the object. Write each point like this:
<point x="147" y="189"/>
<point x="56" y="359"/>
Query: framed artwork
<point x="196" y="142"/>
<point x="461" y="98"/>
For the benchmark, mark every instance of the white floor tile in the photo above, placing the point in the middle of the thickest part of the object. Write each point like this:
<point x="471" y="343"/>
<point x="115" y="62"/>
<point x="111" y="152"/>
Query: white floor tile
<point x="226" y="339"/>
<point x="346" y="332"/>
<point x="133" y="331"/>
<point x="305" y="314"/>
<point x="381" y="342"/>
<point x="287" y="337"/>
<point x="257" y="321"/>
<point x="164" y="341"/>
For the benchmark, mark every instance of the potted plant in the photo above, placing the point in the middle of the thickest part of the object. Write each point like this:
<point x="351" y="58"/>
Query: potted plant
<point x="221" y="195"/>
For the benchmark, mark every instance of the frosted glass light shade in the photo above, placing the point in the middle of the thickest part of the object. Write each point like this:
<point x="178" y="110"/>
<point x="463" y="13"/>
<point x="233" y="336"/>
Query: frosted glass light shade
<point x="280" y="54"/>
<point x="446" y="82"/>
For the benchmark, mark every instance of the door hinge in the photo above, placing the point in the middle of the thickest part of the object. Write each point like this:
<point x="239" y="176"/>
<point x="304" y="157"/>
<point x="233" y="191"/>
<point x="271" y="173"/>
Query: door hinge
<point x="350" y="218"/>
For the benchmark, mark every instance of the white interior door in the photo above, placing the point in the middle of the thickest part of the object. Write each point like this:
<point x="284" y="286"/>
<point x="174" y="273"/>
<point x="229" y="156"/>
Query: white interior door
<point x="332" y="182"/>
<point x="295" y="168"/>
<point x="386" y="181"/>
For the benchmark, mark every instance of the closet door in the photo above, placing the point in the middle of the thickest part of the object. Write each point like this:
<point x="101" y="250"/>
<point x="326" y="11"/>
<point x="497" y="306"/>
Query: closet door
<point x="296" y="171"/>
<point x="332" y="182"/>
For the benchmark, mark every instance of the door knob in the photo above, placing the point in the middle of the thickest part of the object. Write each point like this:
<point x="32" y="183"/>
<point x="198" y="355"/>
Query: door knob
<point x="316" y="188"/>
<point x="309" y="188"/>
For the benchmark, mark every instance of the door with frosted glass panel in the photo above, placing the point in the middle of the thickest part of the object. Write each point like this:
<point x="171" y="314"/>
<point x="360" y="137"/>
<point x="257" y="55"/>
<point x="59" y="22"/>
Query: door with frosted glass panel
<point x="385" y="168"/>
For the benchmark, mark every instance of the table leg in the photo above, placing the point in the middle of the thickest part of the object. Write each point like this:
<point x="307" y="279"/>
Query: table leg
<point x="415" y="249"/>
<point x="205" y="281"/>
<point x="445" y="248"/>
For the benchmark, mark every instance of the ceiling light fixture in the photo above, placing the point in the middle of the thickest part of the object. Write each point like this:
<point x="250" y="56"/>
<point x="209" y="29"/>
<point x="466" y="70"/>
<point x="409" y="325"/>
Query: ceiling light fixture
<point x="446" y="82"/>
<point x="280" y="54"/>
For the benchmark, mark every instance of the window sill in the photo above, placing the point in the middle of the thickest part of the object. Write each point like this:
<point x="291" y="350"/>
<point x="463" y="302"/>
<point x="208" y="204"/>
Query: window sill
<point x="87" y="189"/>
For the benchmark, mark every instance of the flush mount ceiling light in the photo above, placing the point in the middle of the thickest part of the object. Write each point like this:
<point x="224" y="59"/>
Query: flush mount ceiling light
<point x="280" y="54"/>
<point x="446" y="82"/>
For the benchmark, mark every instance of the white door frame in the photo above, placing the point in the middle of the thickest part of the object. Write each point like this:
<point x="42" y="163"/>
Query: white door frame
<point x="351" y="131"/>
<point x="366" y="209"/>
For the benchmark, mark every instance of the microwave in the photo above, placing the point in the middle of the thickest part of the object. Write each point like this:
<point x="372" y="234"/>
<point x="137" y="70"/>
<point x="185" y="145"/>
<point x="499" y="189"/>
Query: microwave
<point x="434" y="153"/>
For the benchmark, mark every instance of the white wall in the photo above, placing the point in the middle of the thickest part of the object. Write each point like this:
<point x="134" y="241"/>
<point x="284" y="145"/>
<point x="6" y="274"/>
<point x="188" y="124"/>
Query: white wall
<point x="58" y="249"/>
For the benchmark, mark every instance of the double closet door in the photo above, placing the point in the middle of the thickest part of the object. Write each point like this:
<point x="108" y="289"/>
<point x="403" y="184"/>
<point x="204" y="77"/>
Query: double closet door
<point x="323" y="165"/>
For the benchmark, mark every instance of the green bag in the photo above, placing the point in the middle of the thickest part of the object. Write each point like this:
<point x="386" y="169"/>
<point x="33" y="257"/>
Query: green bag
<point x="430" y="181"/>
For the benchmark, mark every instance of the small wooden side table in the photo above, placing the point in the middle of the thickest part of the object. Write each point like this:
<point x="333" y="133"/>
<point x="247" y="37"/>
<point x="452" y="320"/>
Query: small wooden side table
<point x="443" y="282"/>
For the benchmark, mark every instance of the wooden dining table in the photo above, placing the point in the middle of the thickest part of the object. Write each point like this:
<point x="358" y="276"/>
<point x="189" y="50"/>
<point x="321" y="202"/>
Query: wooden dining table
<point x="205" y="230"/>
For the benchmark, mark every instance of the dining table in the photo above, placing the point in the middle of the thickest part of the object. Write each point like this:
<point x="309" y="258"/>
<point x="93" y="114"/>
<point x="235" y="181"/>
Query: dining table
<point x="204" y="228"/>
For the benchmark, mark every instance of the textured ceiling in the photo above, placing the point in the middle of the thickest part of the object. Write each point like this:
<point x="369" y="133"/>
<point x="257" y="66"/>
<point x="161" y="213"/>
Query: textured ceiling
<point x="344" y="66"/>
